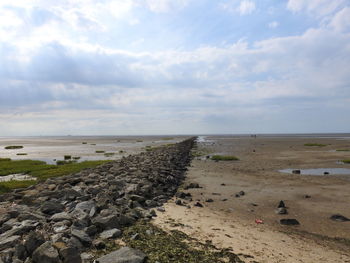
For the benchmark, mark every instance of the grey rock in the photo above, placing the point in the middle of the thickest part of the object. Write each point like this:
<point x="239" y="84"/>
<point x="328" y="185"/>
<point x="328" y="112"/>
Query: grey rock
<point x="112" y="233"/>
<point x="289" y="222"/>
<point x="124" y="255"/>
<point x="46" y="253"/>
<point x="339" y="218"/>
<point x="281" y="211"/>
<point x="8" y="242"/>
<point x="21" y="252"/>
<point x="51" y="207"/>
<point x="33" y="241"/>
<point x="61" y="216"/>
<point x="82" y="236"/>
<point x="86" y="206"/>
<point x="70" y="255"/>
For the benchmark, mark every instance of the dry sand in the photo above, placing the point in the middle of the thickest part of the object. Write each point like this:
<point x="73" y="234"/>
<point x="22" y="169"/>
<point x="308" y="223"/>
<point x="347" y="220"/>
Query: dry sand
<point x="231" y="223"/>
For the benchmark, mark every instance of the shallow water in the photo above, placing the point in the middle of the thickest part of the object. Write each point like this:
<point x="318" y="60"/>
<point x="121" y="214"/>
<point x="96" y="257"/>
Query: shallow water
<point x="16" y="177"/>
<point x="319" y="171"/>
<point x="50" y="149"/>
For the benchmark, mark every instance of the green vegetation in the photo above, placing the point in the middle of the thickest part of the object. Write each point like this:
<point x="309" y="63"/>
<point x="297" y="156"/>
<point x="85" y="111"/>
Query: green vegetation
<point x="346" y="161"/>
<point x="139" y="140"/>
<point x="175" y="246"/>
<point x="224" y="158"/>
<point x="167" y="138"/>
<point x="169" y="247"/>
<point x="343" y="150"/>
<point x="76" y="157"/>
<point x="93" y="143"/>
<point x="109" y="154"/>
<point x="315" y="144"/>
<point x="99" y="151"/>
<point x="13" y="184"/>
<point x="121" y="151"/>
<point x="13" y="147"/>
<point x="84" y="142"/>
<point x="68" y="157"/>
<point x="39" y="169"/>
<point x="21" y="154"/>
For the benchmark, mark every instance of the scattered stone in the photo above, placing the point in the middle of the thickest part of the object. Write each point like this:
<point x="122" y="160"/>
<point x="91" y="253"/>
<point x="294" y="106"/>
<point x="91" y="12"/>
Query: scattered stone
<point x="241" y="193"/>
<point x="339" y="218"/>
<point x="192" y="186"/>
<point x="326" y="173"/>
<point x="124" y="255"/>
<point x="281" y="211"/>
<point x="307" y="196"/>
<point x="178" y="202"/>
<point x="198" y="204"/>
<point x="281" y="204"/>
<point x="289" y="222"/>
<point x="161" y="209"/>
<point x="296" y="171"/>
<point x="209" y="200"/>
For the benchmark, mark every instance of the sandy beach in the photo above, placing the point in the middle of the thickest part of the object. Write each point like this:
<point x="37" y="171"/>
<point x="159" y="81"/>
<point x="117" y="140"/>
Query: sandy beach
<point x="229" y="221"/>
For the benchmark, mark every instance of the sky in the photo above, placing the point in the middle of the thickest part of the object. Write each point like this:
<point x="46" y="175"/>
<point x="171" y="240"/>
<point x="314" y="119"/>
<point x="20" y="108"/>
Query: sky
<point x="141" y="67"/>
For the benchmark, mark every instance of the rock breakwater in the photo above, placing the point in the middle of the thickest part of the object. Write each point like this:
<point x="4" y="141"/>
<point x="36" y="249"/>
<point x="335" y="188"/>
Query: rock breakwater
<point x="57" y="220"/>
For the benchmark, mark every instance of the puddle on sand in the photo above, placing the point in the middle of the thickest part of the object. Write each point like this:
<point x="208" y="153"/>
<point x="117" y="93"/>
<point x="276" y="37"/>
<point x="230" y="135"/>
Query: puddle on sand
<point x="16" y="177"/>
<point x="319" y="171"/>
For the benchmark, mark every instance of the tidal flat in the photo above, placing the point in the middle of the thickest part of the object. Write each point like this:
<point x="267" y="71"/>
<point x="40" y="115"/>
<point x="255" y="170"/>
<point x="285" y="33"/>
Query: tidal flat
<point x="240" y="198"/>
<point x="84" y="148"/>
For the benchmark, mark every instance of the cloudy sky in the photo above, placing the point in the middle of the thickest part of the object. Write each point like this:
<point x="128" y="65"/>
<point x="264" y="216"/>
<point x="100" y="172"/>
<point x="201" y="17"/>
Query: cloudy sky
<point x="174" y="66"/>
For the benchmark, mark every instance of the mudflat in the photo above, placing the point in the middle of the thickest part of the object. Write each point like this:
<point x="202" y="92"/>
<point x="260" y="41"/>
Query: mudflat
<point x="234" y="220"/>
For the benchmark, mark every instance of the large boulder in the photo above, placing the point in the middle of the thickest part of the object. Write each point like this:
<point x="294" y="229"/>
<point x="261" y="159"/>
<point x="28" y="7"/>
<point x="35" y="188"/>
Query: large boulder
<point x="123" y="255"/>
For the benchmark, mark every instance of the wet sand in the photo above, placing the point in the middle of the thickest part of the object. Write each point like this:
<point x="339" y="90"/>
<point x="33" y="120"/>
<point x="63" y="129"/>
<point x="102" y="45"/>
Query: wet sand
<point x="231" y="223"/>
<point x="49" y="149"/>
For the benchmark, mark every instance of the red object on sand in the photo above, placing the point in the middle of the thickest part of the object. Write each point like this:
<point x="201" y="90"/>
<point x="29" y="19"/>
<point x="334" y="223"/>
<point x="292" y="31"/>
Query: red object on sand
<point x="259" y="221"/>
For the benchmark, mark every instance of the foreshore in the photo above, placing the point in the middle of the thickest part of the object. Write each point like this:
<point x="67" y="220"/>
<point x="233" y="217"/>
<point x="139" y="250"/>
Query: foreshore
<point x="248" y="223"/>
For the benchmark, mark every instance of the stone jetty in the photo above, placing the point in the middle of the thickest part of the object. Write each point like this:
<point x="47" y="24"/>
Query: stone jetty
<point x="58" y="220"/>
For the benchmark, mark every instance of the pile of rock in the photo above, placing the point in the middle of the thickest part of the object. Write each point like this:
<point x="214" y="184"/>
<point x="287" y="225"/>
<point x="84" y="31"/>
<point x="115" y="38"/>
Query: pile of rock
<point x="57" y="220"/>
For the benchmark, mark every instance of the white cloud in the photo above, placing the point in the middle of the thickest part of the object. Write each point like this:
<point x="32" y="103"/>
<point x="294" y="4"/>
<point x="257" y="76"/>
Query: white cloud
<point x="246" y="7"/>
<point x="163" y="6"/>
<point x="341" y="21"/>
<point x="273" y="24"/>
<point x="317" y="7"/>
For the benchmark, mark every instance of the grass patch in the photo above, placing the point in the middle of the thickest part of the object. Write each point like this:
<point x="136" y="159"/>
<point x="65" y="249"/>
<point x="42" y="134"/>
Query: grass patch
<point x="76" y="157"/>
<point x="13" y="147"/>
<point x="13" y="184"/>
<point x="173" y="247"/>
<point x="346" y="161"/>
<point x="315" y="144"/>
<point x="224" y="158"/>
<point x="109" y="154"/>
<point x="99" y="151"/>
<point x="41" y="170"/>
<point x="84" y="143"/>
<point x="343" y="150"/>
<point x="21" y="154"/>
<point x="167" y="138"/>
<point x="68" y="157"/>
